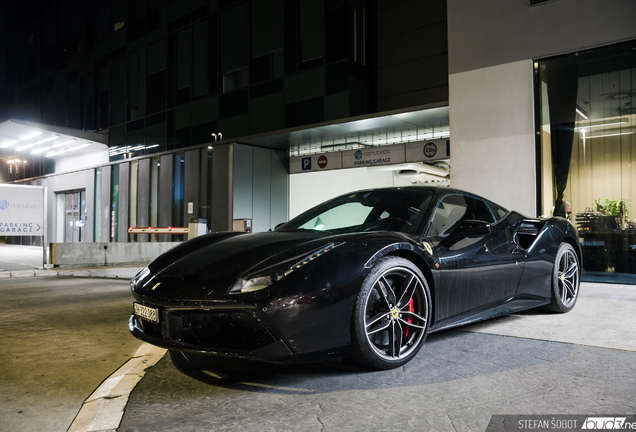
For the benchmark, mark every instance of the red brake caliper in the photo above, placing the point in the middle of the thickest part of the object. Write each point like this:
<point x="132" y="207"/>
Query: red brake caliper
<point x="409" y="319"/>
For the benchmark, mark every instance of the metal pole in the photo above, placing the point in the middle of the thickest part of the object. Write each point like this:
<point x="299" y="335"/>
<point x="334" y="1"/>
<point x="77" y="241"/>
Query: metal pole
<point x="44" y="231"/>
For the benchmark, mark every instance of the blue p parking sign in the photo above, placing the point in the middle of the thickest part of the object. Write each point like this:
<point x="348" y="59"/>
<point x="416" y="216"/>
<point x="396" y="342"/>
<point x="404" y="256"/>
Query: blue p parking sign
<point x="306" y="164"/>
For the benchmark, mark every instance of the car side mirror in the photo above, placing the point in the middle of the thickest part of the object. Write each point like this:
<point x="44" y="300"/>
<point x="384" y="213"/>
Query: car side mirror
<point x="279" y="225"/>
<point x="467" y="229"/>
<point x="472" y="228"/>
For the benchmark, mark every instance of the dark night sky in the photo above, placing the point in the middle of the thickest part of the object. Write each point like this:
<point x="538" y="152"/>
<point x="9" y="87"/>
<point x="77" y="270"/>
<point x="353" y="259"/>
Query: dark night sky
<point x="3" y="45"/>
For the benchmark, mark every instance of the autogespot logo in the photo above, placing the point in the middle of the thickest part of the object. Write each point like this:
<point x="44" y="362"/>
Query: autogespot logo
<point x="358" y="154"/>
<point x="4" y="204"/>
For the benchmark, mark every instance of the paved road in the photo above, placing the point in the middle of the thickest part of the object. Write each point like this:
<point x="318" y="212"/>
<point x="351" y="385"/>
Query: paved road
<point x="531" y="363"/>
<point x="63" y="336"/>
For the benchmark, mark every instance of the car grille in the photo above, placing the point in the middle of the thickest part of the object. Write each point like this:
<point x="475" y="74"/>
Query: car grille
<point x="224" y="330"/>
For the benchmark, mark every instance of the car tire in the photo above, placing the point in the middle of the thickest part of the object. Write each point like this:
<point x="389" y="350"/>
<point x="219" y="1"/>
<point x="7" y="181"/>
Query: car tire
<point x="566" y="279"/>
<point x="391" y="315"/>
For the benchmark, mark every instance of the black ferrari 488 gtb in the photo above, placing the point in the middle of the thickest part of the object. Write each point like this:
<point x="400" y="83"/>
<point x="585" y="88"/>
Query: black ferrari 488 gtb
<point x="368" y="275"/>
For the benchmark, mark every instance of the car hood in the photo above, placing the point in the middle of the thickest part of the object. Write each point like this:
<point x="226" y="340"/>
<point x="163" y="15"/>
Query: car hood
<point x="223" y="259"/>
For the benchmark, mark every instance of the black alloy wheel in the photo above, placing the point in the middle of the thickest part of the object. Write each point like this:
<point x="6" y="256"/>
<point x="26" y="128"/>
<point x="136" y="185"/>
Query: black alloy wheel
<point x="391" y="315"/>
<point x="566" y="279"/>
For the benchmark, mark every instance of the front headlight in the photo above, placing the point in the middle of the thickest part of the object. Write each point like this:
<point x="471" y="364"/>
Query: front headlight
<point x="265" y="278"/>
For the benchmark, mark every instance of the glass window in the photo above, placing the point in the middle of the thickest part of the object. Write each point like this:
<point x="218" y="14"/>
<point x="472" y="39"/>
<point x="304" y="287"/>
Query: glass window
<point x="154" y="195"/>
<point x="497" y="210"/>
<point x="184" y="59"/>
<point x="200" y="60"/>
<point x="132" y="198"/>
<point x="312" y="30"/>
<point x="118" y="96"/>
<point x="133" y="86"/>
<point x="454" y="209"/>
<point x="376" y="210"/>
<point x="206" y="185"/>
<point x="179" y="179"/>
<point x="114" y="202"/>
<point x="97" y="227"/>
<point x="235" y="80"/>
<point x="587" y="140"/>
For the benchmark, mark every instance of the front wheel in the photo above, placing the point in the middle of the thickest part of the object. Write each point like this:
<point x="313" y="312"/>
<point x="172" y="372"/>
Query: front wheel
<point x="392" y="314"/>
<point x="566" y="279"/>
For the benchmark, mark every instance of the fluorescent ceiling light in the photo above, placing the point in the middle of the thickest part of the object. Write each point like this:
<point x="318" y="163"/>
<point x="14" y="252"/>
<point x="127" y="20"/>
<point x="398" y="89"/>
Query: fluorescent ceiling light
<point x="47" y="139"/>
<point x="579" y="112"/>
<point x="8" y="143"/>
<point x="78" y="147"/>
<point x="24" y="147"/>
<point x="611" y="135"/>
<point x="601" y="125"/>
<point x="40" y="150"/>
<point x="33" y="135"/>
<point x="62" y="143"/>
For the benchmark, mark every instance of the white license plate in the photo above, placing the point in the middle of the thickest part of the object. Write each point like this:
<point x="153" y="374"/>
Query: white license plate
<point x="147" y="313"/>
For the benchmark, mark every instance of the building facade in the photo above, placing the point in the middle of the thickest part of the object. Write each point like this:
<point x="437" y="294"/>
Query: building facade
<point x="205" y="102"/>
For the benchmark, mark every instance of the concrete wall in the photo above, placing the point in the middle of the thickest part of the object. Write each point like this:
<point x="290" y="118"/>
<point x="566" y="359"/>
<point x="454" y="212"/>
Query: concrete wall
<point x="93" y="254"/>
<point x="492" y="129"/>
<point x="483" y="34"/>
<point x="491" y="48"/>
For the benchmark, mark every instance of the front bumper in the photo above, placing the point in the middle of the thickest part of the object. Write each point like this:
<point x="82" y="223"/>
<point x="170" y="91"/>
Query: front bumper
<point x="227" y="333"/>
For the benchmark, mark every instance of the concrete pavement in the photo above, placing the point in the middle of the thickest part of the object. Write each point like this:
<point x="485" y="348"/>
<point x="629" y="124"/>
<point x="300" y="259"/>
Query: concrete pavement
<point x="26" y="261"/>
<point x="64" y="336"/>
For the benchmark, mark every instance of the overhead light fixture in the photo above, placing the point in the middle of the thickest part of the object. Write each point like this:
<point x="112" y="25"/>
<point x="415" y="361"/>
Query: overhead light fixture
<point x="40" y="150"/>
<point x="47" y="139"/>
<point x="610" y="135"/>
<point x="579" y="112"/>
<point x="33" y="135"/>
<point x="79" y="147"/>
<point x="8" y="143"/>
<point x="601" y="125"/>
<point x="63" y="143"/>
<point x="24" y="147"/>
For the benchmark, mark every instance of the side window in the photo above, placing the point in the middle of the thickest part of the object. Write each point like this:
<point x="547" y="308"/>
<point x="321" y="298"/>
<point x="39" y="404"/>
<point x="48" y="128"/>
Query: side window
<point x="454" y="209"/>
<point x="450" y="212"/>
<point x="497" y="210"/>
<point x="478" y="210"/>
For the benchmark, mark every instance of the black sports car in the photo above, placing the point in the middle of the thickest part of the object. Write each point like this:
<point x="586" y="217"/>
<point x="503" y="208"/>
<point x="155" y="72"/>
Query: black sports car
<point x="367" y="274"/>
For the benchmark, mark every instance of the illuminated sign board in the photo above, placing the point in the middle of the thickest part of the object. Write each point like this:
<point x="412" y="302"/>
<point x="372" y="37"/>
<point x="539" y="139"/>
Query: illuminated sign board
<point x="21" y="210"/>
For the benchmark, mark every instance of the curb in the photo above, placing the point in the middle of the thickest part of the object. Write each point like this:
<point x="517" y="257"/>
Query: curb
<point x="104" y="409"/>
<point x="113" y="272"/>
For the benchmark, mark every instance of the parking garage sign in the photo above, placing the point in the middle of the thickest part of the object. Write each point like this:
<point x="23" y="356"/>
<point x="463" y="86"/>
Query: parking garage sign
<point x="21" y="210"/>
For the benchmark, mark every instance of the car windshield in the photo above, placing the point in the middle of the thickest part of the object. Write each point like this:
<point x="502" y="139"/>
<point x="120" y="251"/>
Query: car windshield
<point x="374" y="210"/>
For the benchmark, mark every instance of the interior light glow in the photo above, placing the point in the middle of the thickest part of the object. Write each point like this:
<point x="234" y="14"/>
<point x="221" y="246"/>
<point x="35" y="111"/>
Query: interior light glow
<point x="7" y="144"/>
<point x="10" y="161"/>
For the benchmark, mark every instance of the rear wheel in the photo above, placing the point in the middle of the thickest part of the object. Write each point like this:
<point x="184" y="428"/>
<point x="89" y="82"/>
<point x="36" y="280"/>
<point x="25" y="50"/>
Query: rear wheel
<point x="566" y="279"/>
<point x="391" y="314"/>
